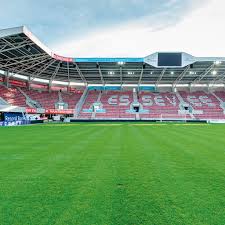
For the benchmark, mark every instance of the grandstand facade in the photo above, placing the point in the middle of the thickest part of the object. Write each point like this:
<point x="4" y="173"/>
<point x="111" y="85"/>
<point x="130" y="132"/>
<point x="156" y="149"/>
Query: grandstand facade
<point x="161" y="86"/>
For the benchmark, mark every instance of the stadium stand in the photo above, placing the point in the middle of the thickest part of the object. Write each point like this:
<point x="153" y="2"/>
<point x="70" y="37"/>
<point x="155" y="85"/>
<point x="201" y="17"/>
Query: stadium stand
<point x="71" y="98"/>
<point x="17" y="97"/>
<point x="159" y="104"/>
<point x="161" y="85"/>
<point x="12" y="96"/>
<point x="119" y="104"/>
<point x="220" y="95"/>
<point x="205" y="105"/>
<point x="87" y="108"/>
<point x="45" y="98"/>
<point x="116" y="105"/>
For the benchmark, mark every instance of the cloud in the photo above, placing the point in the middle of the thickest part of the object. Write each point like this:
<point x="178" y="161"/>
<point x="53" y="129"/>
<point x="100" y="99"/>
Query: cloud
<point x="163" y="31"/>
<point x="54" y="20"/>
<point x="99" y="28"/>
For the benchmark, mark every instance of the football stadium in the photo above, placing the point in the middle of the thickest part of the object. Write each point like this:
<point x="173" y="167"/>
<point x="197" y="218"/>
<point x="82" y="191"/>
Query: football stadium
<point x="127" y="141"/>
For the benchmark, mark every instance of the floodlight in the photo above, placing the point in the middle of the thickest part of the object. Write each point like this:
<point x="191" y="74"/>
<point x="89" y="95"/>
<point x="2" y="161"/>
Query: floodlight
<point x="217" y="62"/>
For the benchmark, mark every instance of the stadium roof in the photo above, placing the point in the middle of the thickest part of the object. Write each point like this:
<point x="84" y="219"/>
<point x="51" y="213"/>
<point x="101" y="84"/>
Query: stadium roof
<point x="22" y="53"/>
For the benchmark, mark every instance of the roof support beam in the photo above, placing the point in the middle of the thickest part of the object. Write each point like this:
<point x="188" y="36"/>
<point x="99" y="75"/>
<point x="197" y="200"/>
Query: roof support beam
<point x="15" y="47"/>
<point x="203" y="75"/>
<point x="80" y="73"/>
<point x="161" y="76"/>
<point x="3" y="47"/>
<point x="7" y="78"/>
<point x="141" y="75"/>
<point x="181" y="76"/>
<point x="219" y="79"/>
<point x="68" y="71"/>
<point x="31" y="66"/>
<point x="18" y="49"/>
<point x="55" y="73"/>
<point x="21" y="58"/>
<point x="121" y="75"/>
<point x="42" y="69"/>
<point x="22" y="62"/>
<point x="100" y="73"/>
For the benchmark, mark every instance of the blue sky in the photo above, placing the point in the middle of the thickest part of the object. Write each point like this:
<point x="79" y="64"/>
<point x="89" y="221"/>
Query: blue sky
<point x="89" y="28"/>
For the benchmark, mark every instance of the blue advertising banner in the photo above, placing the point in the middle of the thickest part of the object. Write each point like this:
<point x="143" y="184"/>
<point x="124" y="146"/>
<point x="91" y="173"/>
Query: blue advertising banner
<point x="102" y="88"/>
<point x="11" y="117"/>
<point x="96" y="60"/>
<point x="147" y="88"/>
<point x="14" y="123"/>
<point x="113" y="88"/>
<point x="97" y="88"/>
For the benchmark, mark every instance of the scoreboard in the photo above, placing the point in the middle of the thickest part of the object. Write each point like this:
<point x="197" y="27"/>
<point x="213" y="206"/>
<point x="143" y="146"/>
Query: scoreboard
<point x="170" y="59"/>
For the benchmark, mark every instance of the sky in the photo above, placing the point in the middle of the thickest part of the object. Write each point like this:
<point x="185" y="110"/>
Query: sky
<point x="121" y="28"/>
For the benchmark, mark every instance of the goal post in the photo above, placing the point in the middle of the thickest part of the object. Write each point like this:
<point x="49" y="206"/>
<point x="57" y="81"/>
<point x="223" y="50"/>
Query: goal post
<point x="173" y="117"/>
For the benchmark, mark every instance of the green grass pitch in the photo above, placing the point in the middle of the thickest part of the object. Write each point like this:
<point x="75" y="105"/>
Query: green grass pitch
<point x="112" y="174"/>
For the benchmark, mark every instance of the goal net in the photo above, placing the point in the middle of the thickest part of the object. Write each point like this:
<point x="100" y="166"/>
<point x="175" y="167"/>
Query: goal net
<point x="174" y="117"/>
